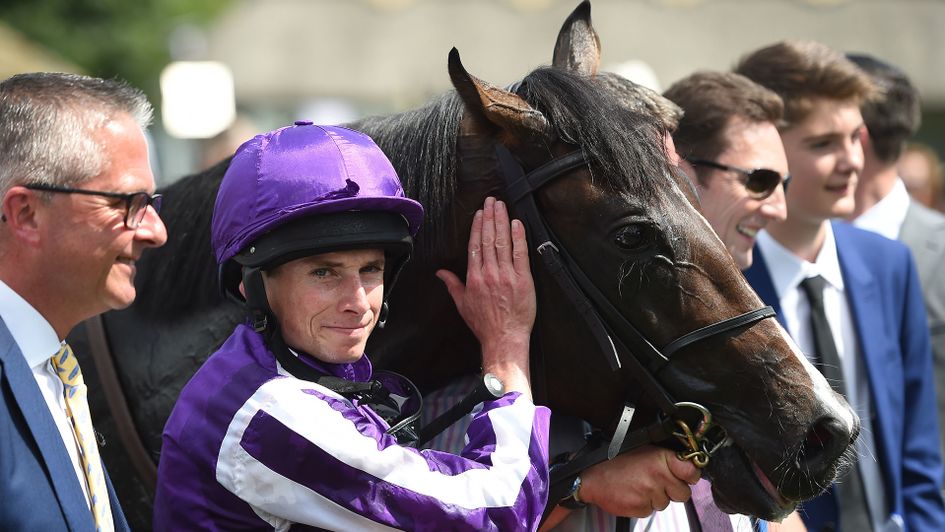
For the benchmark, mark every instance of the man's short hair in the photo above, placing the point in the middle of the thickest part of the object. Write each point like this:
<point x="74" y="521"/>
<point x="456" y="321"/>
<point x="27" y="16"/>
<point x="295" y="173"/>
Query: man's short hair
<point x="802" y="72"/>
<point x="48" y="123"/>
<point x="893" y="114"/>
<point x="641" y="99"/>
<point x="709" y="101"/>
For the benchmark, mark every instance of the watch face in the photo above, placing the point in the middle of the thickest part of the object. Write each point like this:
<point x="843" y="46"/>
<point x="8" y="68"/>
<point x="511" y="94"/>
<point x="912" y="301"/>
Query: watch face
<point x="571" y="500"/>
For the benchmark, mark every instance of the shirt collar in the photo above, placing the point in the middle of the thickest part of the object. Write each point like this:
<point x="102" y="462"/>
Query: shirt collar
<point x="888" y="214"/>
<point x="34" y="335"/>
<point x="787" y="270"/>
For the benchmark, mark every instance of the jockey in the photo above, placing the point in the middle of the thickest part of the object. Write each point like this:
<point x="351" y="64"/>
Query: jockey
<point x="287" y="423"/>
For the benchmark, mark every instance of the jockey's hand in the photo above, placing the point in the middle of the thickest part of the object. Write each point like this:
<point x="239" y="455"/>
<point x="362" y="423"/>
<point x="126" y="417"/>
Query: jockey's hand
<point x="498" y="300"/>
<point x="639" y="482"/>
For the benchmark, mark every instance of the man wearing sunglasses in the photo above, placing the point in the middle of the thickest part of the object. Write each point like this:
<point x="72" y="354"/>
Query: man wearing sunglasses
<point x="728" y="140"/>
<point x="849" y="297"/>
<point x="77" y="211"/>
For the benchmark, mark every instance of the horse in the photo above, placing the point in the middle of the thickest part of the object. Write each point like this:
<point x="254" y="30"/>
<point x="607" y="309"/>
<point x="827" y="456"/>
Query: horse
<point x="623" y="262"/>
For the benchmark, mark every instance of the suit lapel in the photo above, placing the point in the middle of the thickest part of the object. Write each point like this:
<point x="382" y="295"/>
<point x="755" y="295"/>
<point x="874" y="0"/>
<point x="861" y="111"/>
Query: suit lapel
<point x="118" y="516"/>
<point x="924" y="233"/>
<point x="864" y="297"/>
<point x="43" y="428"/>
<point x="760" y="280"/>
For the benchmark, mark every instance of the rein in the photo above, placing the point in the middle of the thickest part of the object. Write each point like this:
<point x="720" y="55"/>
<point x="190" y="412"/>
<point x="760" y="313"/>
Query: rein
<point x="613" y="333"/>
<point x="130" y="438"/>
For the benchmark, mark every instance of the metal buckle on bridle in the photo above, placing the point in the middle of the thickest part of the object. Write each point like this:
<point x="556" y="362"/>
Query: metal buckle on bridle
<point x="544" y="246"/>
<point x="704" y="442"/>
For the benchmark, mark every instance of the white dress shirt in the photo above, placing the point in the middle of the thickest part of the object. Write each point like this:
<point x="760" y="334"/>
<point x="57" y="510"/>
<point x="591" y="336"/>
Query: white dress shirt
<point x="787" y="271"/>
<point x="39" y="342"/>
<point x="887" y="216"/>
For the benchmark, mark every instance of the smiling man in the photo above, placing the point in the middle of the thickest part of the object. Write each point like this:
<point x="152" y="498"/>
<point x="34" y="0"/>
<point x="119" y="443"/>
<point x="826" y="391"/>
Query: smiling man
<point x="728" y="139"/>
<point x="849" y="297"/>
<point x="287" y="423"/>
<point x="78" y="211"/>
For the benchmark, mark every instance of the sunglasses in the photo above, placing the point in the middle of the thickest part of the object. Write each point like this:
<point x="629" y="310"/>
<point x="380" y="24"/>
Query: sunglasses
<point x="760" y="182"/>
<point x="136" y="203"/>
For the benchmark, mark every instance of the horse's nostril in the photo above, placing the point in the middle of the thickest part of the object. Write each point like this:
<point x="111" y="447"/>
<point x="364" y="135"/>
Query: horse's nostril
<point x="826" y="441"/>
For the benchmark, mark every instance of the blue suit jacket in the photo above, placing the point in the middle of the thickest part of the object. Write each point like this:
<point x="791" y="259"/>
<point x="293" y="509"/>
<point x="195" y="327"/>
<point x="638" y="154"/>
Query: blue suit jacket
<point x="882" y="286"/>
<point x="38" y="486"/>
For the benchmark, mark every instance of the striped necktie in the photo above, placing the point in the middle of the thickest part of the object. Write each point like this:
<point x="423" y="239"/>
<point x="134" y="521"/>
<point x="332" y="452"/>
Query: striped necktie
<point x="77" y="408"/>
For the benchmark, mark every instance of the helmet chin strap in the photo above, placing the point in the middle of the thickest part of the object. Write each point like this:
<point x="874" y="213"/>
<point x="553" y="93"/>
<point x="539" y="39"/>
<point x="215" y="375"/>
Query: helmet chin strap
<point x="257" y="304"/>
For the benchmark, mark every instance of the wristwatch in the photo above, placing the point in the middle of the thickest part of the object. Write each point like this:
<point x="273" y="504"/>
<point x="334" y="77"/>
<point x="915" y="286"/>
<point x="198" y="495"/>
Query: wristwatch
<point x="571" y="500"/>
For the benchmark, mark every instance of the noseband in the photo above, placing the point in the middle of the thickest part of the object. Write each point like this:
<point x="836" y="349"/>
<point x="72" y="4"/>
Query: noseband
<point x="614" y="333"/>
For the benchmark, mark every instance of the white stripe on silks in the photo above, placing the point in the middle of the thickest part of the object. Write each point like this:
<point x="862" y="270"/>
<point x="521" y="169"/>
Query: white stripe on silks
<point x="274" y="498"/>
<point x="290" y="501"/>
<point x="477" y="488"/>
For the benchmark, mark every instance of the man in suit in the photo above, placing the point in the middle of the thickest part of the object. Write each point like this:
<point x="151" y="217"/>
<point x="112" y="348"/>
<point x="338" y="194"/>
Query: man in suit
<point x="883" y="204"/>
<point x="728" y="141"/>
<point x="849" y="297"/>
<point x="77" y="211"/>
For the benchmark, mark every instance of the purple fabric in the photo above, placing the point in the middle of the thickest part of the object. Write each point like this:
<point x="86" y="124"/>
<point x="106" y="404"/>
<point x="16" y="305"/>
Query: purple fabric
<point x="321" y="472"/>
<point x="301" y="170"/>
<point x="189" y="497"/>
<point x="710" y="517"/>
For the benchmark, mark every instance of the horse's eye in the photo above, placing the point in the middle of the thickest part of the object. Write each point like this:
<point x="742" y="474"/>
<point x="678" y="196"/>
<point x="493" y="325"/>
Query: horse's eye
<point x="632" y="237"/>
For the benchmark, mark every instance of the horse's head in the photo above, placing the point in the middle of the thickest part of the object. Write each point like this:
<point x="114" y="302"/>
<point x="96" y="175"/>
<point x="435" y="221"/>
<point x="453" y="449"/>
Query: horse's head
<point x="625" y="223"/>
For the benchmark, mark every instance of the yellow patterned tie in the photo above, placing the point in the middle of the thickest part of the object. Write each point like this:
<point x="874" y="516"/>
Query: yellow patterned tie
<point x="77" y="407"/>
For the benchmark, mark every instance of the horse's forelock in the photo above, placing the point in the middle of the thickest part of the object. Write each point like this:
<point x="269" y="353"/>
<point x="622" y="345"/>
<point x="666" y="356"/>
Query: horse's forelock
<point x="625" y="144"/>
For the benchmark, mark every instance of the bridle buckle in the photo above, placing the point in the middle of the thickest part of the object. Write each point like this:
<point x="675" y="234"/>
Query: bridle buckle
<point x="702" y="443"/>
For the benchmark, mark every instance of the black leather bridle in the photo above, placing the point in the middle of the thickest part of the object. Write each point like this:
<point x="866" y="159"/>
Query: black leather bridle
<point x="614" y="334"/>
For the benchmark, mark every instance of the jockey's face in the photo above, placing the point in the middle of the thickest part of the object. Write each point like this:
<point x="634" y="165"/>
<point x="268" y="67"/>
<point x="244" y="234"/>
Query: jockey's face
<point x="327" y="305"/>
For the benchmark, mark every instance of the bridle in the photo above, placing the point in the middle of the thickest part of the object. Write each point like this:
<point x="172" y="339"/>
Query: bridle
<point x="614" y="335"/>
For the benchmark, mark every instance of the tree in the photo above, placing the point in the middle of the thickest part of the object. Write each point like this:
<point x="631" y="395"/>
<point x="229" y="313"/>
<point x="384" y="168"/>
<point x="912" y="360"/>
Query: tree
<point x="109" y="38"/>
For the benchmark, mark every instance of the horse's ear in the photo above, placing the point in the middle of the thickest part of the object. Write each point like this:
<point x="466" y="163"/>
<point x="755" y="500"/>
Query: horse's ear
<point x="578" y="46"/>
<point x="503" y="109"/>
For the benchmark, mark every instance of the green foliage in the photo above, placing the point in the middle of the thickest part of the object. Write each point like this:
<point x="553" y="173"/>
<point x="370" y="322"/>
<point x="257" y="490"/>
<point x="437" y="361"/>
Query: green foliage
<point x="108" y="38"/>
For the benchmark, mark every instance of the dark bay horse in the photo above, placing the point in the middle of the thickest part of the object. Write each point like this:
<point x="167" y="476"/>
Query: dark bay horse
<point x="622" y="216"/>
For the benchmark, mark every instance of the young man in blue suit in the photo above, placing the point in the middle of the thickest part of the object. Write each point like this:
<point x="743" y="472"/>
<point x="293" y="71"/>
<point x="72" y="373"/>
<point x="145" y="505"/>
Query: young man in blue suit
<point x="78" y="210"/>
<point x="883" y="204"/>
<point x="849" y="297"/>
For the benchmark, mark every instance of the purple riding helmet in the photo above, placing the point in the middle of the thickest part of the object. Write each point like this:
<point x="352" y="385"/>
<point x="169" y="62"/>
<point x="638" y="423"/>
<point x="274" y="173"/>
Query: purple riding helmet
<point x="304" y="190"/>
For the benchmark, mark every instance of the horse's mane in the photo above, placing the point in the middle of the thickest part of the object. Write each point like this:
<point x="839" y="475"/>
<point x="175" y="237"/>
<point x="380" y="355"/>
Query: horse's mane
<point x="421" y="144"/>
<point x="182" y="275"/>
<point x="623" y="140"/>
<point x="624" y="145"/>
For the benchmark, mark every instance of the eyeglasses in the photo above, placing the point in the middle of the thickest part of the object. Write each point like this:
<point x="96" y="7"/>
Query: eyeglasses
<point x="760" y="182"/>
<point x="136" y="203"/>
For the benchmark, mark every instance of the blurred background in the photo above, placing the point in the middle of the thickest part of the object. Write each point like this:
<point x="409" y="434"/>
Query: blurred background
<point x="219" y="71"/>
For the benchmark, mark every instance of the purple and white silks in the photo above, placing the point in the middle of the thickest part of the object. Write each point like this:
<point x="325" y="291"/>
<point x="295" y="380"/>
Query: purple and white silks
<point x="249" y="447"/>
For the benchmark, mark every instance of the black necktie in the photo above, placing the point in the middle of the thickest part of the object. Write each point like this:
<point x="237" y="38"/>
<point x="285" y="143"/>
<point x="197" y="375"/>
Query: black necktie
<point x="851" y="499"/>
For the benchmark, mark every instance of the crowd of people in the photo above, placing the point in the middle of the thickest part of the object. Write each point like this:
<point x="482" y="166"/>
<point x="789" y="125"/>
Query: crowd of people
<point x="802" y="163"/>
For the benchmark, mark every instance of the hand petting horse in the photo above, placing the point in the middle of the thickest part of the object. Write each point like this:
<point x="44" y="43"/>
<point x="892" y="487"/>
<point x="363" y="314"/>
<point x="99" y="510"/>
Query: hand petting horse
<point x="646" y="328"/>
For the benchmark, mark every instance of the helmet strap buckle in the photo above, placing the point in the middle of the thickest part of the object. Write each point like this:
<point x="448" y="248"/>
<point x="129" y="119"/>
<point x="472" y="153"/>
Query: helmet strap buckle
<point x="382" y="315"/>
<point x="257" y="304"/>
